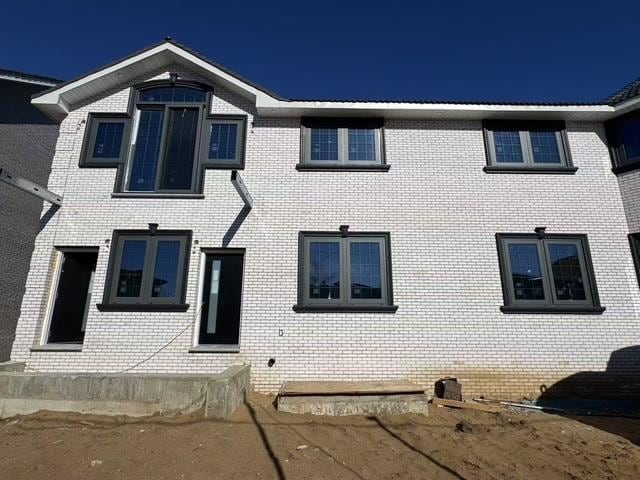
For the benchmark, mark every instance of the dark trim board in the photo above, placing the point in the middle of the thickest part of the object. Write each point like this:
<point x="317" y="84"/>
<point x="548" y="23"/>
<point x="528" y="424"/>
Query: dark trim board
<point x="345" y="308"/>
<point x="307" y="167"/>
<point x="547" y="170"/>
<point x="116" y="307"/>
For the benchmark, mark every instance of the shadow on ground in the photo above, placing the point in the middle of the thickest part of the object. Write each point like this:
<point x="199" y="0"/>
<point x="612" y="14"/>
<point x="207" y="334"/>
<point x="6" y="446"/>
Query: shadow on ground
<point x="608" y="400"/>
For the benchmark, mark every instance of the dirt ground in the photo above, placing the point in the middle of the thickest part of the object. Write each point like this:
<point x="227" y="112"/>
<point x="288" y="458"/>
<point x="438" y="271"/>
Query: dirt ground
<point x="259" y="443"/>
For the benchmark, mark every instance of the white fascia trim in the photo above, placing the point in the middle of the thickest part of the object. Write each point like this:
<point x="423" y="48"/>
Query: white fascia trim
<point x="267" y="104"/>
<point x="53" y="97"/>
<point x="627" y="106"/>
<point x="25" y="80"/>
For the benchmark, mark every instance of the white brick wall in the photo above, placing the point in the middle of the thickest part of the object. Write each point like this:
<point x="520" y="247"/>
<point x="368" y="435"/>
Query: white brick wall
<point x="442" y="212"/>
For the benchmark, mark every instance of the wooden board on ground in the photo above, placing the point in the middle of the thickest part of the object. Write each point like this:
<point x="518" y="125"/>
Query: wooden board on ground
<point x="389" y="387"/>
<point x="468" y="405"/>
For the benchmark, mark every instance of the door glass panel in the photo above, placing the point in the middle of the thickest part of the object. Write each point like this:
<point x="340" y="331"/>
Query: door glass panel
<point x="165" y="275"/>
<point x="73" y="297"/>
<point x="526" y="272"/>
<point x="222" y="300"/>
<point x="567" y="273"/>
<point x="324" y="144"/>
<point x="180" y="149"/>
<point x="366" y="280"/>
<point x="508" y="146"/>
<point x="545" y="147"/>
<point x="131" y="266"/>
<point x="324" y="274"/>
<point x="147" y="151"/>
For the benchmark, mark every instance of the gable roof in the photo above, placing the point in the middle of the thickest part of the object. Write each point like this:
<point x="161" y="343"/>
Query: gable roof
<point x="59" y="100"/>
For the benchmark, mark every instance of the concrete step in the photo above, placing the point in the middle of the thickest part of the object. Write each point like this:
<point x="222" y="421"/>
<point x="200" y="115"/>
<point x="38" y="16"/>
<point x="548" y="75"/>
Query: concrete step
<point x="391" y="397"/>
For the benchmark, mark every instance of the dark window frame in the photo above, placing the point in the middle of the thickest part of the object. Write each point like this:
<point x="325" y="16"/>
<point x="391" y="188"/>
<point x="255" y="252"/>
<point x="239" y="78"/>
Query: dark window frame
<point x="94" y="119"/>
<point x="145" y="302"/>
<point x="590" y="306"/>
<point x="634" y="243"/>
<point x="239" y="162"/>
<point x="619" y="160"/>
<point x="201" y="163"/>
<point x="343" y="124"/>
<point x="345" y="304"/>
<point x="528" y="165"/>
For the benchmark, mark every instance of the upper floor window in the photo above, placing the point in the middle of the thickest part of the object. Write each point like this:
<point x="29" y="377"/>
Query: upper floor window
<point x="172" y="138"/>
<point x="106" y="140"/>
<point x="623" y="135"/>
<point x="527" y="146"/>
<point x="343" y="143"/>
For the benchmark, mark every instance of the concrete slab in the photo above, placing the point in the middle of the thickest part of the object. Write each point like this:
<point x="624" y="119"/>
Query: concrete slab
<point x="340" y="405"/>
<point x="349" y="388"/>
<point x="216" y="396"/>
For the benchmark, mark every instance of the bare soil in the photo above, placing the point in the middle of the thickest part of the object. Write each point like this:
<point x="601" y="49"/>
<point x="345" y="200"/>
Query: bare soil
<point x="260" y="443"/>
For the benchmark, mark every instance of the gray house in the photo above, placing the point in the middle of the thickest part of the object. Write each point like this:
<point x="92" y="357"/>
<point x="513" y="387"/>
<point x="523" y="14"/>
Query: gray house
<point x="27" y="142"/>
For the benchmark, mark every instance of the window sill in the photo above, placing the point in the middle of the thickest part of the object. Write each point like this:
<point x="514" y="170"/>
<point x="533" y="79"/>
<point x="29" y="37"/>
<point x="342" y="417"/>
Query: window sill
<point x="117" y="307"/>
<point x="307" y="167"/>
<point x="552" y="170"/>
<point x="215" y="349"/>
<point x="626" y="168"/>
<point x="345" y="308"/>
<point x="58" y="347"/>
<point x="553" y="310"/>
<point x="157" y="195"/>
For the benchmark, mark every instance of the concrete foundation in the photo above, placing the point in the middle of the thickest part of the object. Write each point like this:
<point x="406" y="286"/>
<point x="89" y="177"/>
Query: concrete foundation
<point x="216" y="396"/>
<point x="339" y="405"/>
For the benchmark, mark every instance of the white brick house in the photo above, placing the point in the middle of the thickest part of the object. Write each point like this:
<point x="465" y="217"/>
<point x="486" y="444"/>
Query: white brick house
<point x="419" y="182"/>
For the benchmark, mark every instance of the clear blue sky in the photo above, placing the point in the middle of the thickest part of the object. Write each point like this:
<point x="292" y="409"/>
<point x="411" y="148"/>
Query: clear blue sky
<point x="539" y="50"/>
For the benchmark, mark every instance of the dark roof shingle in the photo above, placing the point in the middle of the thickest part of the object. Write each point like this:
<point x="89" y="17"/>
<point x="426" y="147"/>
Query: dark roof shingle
<point x="627" y="92"/>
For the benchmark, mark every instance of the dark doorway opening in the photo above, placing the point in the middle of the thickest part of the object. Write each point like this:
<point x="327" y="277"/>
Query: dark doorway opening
<point x="72" y="296"/>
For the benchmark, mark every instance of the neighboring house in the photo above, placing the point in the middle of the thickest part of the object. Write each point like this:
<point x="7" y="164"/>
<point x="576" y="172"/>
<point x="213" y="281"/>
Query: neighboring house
<point x="27" y="142"/>
<point x="387" y="239"/>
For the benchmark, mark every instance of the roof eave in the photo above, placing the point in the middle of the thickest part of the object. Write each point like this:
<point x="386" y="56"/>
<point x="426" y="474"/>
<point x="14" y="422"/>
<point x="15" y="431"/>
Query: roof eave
<point x="279" y="108"/>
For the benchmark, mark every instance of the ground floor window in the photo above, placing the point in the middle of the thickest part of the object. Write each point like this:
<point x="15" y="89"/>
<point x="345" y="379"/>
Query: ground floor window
<point x="344" y="271"/>
<point x="72" y="296"/>
<point x="221" y="298"/>
<point x="547" y="273"/>
<point x="147" y="269"/>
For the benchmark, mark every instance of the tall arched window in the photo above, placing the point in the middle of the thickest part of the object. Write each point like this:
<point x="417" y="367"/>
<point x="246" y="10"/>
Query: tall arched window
<point x="165" y="148"/>
<point x="165" y="141"/>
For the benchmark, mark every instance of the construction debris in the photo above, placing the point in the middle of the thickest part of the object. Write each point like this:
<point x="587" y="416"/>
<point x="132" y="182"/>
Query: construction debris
<point x="468" y="405"/>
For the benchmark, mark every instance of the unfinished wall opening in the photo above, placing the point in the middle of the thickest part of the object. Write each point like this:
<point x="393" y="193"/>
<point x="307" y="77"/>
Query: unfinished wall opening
<point x="72" y="295"/>
<point x="221" y="298"/>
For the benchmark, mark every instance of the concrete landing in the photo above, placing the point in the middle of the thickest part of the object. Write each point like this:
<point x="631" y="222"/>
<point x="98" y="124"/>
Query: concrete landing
<point x="216" y="396"/>
<point x="392" y="397"/>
